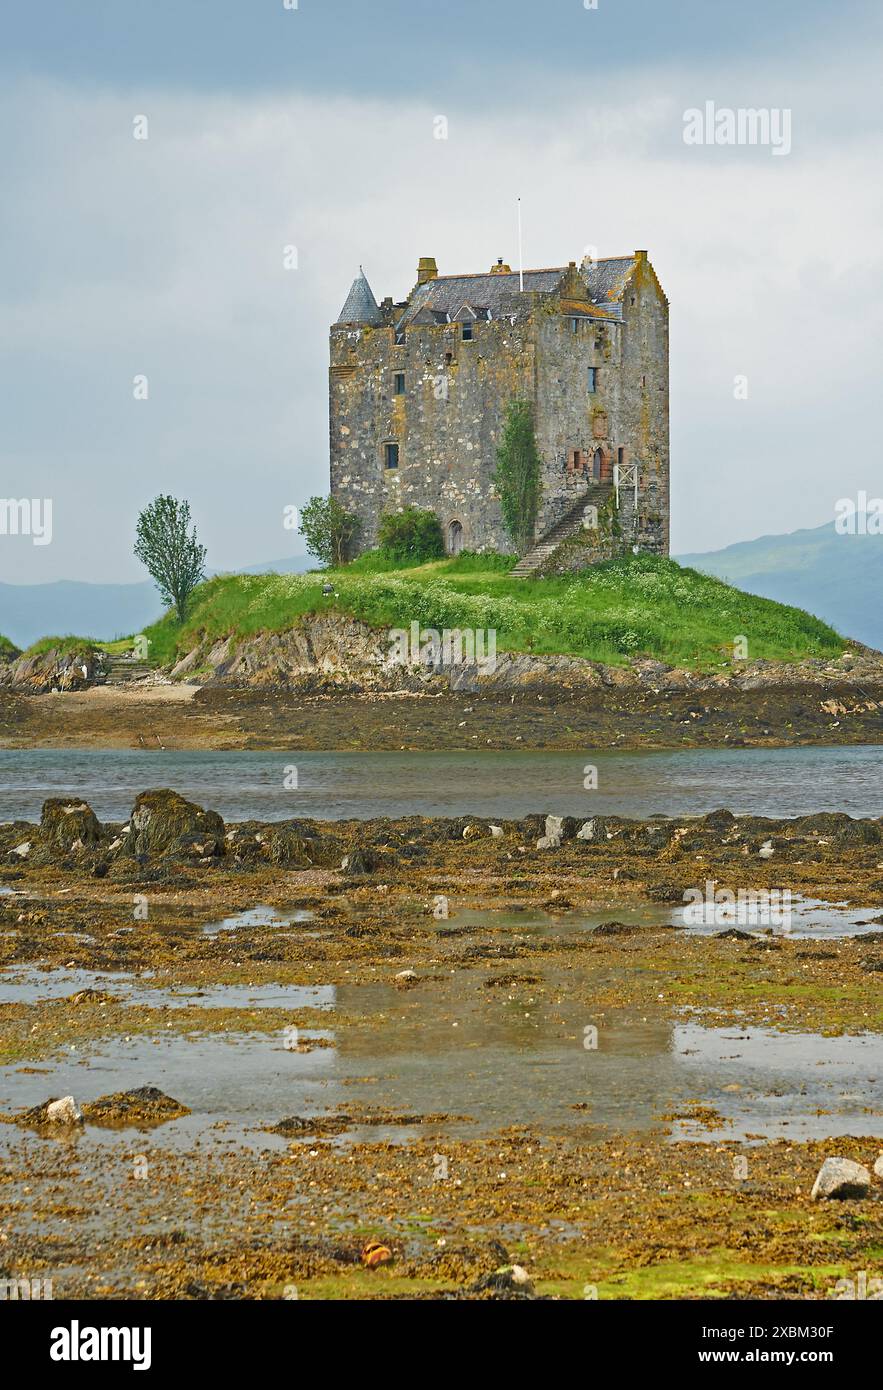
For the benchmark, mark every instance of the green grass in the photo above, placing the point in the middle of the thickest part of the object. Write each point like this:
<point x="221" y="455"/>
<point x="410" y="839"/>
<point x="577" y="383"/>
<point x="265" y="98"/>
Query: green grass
<point x="64" y="645"/>
<point x="68" y="646"/>
<point x="8" y="650"/>
<point x="639" y="604"/>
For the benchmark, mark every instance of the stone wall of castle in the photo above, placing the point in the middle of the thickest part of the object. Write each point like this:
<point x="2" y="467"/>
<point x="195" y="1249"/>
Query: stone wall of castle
<point x="447" y="423"/>
<point x="450" y="417"/>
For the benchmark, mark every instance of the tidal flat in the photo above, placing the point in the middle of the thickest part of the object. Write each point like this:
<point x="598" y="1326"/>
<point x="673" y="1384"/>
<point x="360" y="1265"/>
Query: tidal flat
<point x="473" y="1045"/>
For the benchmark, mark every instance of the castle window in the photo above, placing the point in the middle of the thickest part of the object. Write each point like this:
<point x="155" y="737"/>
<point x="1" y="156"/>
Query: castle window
<point x="574" y="325"/>
<point x="449" y="357"/>
<point x="467" y="331"/>
<point x="634" y="301"/>
<point x="391" y="455"/>
<point x="592" y="385"/>
<point x="399" y="383"/>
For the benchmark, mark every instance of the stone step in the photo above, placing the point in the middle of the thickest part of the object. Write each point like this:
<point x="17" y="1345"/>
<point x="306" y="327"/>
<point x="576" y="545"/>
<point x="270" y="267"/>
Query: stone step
<point x="568" y="526"/>
<point x="122" y="668"/>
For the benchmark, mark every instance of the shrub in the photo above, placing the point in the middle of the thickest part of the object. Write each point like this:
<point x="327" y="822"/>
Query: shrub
<point x="412" y="534"/>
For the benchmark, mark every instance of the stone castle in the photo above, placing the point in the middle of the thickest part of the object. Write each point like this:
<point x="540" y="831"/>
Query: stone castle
<point x="419" y="392"/>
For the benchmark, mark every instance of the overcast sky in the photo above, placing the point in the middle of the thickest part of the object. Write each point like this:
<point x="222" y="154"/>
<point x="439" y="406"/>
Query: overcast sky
<point x="315" y="127"/>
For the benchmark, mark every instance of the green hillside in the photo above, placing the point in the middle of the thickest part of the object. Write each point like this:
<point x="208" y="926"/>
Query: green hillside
<point x="637" y="605"/>
<point x="840" y="577"/>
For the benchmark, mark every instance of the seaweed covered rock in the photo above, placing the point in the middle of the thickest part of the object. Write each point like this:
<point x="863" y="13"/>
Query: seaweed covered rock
<point x="246" y="842"/>
<point x="297" y="846"/>
<point x="15" y="841"/>
<point x="164" y="822"/>
<point x="360" y="862"/>
<point x="147" y="1105"/>
<point x="69" y="824"/>
<point x="842" y="830"/>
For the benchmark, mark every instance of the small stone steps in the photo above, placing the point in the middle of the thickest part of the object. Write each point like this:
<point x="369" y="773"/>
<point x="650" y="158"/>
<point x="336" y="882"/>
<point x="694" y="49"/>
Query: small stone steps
<point x="568" y="526"/>
<point x="122" y="669"/>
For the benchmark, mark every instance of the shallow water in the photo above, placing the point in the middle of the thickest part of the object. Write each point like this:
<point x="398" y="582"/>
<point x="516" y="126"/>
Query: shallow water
<point x="802" y="917"/>
<point x="21" y="984"/>
<point x="244" y="785"/>
<point x="259" y="916"/>
<point x="485" y="1059"/>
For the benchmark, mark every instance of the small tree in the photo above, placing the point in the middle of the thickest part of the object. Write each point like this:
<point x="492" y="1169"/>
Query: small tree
<point x="411" y="535"/>
<point x="168" y="547"/>
<point x="328" y="530"/>
<point x="517" y="477"/>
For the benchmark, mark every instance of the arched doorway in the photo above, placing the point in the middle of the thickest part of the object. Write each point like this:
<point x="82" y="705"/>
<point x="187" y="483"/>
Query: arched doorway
<point x="455" y="538"/>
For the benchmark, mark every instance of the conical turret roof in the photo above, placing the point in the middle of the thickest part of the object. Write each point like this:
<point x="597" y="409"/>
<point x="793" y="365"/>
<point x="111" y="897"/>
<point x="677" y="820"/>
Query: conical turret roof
<point x="360" y="306"/>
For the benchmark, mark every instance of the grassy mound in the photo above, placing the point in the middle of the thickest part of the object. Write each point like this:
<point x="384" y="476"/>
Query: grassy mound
<point x="8" y="650"/>
<point x="626" y="607"/>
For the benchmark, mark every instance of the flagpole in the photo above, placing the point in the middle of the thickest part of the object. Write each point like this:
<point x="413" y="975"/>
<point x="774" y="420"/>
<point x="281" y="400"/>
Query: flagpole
<point x="520" y="255"/>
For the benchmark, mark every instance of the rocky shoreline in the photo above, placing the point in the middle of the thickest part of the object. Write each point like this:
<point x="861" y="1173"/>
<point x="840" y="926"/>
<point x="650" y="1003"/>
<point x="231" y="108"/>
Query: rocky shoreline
<point x="621" y="717"/>
<point x="329" y="683"/>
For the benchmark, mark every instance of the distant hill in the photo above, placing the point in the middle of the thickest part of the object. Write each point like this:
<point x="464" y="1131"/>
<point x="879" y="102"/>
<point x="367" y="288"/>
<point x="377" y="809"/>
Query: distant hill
<point x="104" y="611"/>
<point x="839" y="578"/>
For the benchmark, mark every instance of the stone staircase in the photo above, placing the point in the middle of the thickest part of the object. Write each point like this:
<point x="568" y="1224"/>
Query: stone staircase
<point x="571" y="522"/>
<point x="122" y="669"/>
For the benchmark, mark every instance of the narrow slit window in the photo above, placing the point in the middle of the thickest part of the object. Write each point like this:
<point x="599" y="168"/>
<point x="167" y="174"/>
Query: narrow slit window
<point x="592" y="382"/>
<point x="399" y="384"/>
<point x="391" y="455"/>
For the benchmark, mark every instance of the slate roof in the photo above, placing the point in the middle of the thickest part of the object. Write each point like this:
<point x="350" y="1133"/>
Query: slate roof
<point x="605" y="280"/>
<point x="360" y="306"/>
<point x="446" y="295"/>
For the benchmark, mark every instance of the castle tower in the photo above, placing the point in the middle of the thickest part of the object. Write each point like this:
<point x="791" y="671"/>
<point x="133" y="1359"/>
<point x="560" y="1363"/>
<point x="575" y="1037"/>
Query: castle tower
<point x="360" y="306"/>
<point x="419" y="393"/>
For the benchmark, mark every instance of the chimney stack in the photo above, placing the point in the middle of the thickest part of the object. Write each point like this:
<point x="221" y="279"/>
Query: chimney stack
<point x="426" y="270"/>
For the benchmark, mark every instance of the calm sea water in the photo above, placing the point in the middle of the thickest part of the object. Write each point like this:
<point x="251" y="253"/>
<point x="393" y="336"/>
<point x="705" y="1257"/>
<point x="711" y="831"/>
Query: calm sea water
<point x="333" y="786"/>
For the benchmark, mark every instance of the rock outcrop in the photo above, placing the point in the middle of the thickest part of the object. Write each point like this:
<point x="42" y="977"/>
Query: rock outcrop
<point x="330" y="651"/>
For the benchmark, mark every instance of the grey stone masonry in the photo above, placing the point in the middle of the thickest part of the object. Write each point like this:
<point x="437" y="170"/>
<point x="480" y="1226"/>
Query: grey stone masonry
<point x="419" y="392"/>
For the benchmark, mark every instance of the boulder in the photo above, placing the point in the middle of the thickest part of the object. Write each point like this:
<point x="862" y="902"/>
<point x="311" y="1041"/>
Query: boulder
<point x="63" y="1112"/>
<point x="67" y="824"/>
<point x="164" y="822"/>
<point x="360" y="862"/>
<point x="878" y="1167"/>
<point x="511" y="1280"/>
<point x="287" y="844"/>
<point x="594" y="829"/>
<point x="841" y="1178"/>
<point x="52" y="1112"/>
<point x="146" y="1105"/>
<point x="560" y="827"/>
<point x="839" y="828"/>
